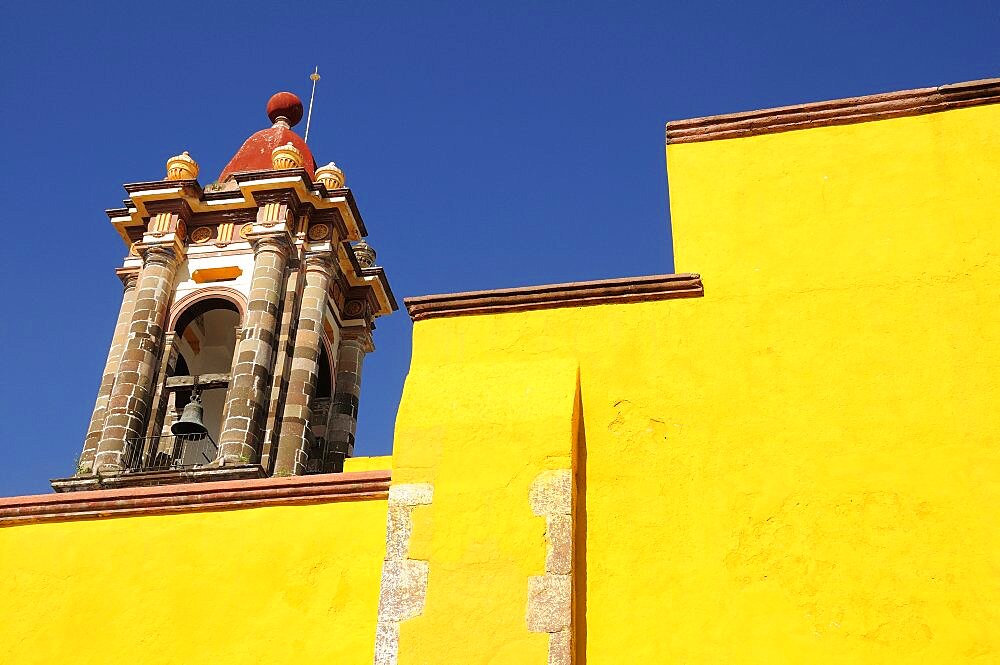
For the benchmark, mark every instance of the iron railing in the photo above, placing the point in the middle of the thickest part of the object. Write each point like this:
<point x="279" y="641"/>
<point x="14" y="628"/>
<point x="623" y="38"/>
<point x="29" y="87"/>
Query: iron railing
<point x="168" y="451"/>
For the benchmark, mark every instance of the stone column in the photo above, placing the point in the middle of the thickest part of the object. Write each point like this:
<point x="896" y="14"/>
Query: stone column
<point x="297" y="412"/>
<point x="283" y="358"/>
<point x="130" y="397"/>
<point x="165" y="369"/>
<point x="96" y="426"/>
<point x="247" y="396"/>
<point x="340" y="429"/>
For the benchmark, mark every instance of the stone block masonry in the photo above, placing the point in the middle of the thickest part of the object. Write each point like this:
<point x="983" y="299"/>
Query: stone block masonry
<point x="303" y="377"/>
<point x="128" y="404"/>
<point x="96" y="427"/>
<point x="248" y="392"/>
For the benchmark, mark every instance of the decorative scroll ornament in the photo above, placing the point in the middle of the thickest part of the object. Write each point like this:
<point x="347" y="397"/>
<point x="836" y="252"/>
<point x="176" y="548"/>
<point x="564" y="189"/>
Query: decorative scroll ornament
<point x="286" y="157"/>
<point x="182" y="167"/>
<point x="201" y="234"/>
<point x="319" y="232"/>
<point x="365" y="254"/>
<point x="331" y="176"/>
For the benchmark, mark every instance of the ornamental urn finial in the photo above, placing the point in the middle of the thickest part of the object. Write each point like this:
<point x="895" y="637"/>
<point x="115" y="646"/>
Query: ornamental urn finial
<point x="331" y="176"/>
<point x="364" y="253"/>
<point x="286" y="157"/>
<point x="182" y="167"/>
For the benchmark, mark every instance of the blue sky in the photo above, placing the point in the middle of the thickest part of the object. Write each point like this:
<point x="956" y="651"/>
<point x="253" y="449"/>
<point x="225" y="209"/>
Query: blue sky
<point x="488" y="144"/>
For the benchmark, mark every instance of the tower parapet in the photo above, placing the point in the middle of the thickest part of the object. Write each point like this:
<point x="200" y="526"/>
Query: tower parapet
<point x="248" y="295"/>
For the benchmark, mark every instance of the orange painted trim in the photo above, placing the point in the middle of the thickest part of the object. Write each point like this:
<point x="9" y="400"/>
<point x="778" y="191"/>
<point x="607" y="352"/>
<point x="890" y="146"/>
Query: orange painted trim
<point x="204" y="275"/>
<point x="195" y="497"/>
<point x="835" y="112"/>
<point x="550" y="296"/>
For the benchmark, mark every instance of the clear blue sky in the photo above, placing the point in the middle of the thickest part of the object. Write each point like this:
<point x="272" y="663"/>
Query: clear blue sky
<point x="488" y="145"/>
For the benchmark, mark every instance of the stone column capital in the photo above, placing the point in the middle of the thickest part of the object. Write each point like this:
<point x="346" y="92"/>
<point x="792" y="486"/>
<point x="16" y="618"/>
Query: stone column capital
<point x="322" y="261"/>
<point x="357" y="335"/>
<point x="277" y="243"/>
<point x="128" y="276"/>
<point x="163" y="255"/>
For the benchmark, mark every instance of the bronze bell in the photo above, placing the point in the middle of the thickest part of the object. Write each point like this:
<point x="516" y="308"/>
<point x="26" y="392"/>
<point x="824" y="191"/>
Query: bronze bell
<point x="190" y="423"/>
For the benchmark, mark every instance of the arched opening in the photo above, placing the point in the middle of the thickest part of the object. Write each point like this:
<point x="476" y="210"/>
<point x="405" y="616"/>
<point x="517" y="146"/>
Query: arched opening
<point x="324" y="382"/>
<point x="321" y="403"/>
<point x="206" y="342"/>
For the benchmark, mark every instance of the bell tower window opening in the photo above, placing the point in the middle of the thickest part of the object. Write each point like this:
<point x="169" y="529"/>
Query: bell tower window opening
<point x="206" y="342"/>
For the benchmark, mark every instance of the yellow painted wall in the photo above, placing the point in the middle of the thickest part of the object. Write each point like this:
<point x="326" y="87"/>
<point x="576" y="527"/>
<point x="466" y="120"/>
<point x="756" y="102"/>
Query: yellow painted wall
<point x="480" y="434"/>
<point x="284" y="584"/>
<point x="800" y="467"/>
<point x="377" y="463"/>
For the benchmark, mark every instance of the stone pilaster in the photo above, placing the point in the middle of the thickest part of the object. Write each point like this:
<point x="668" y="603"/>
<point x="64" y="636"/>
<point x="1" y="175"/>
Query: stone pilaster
<point x="246" y="400"/>
<point x="97" y="419"/>
<point x="128" y="404"/>
<point x="302" y="380"/>
<point x="341" y="427"/>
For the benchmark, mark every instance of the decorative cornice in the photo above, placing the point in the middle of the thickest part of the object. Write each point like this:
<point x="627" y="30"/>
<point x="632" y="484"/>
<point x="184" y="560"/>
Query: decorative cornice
<point x="154" y="185"/>
<point x="128" y="276"/>
<point x="835" y="112"/>
<point x="550" y="296"/>
<point x="195" y="497"/>
<point x="378" y="272"/>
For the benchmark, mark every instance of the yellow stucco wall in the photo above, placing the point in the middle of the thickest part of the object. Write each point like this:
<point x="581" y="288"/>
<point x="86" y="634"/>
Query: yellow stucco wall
<point x="284" y="584"/>
<point x="375" y="463"/>
<point x="801" y="466"/>
<point x="480" y="434"/>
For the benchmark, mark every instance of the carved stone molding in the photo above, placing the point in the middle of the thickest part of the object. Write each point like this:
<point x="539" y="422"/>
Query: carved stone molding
<point x="549" y="296"/>
<point x="194" y="497"/>
<point x="224" y="292"/>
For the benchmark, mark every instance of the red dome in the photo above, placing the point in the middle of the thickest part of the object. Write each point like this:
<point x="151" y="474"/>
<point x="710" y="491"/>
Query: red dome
<point x="255" y="155"/>
<point x="285" y="105"/>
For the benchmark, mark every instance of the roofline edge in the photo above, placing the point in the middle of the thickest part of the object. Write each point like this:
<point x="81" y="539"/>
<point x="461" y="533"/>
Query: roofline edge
<point x="848" y="110"/>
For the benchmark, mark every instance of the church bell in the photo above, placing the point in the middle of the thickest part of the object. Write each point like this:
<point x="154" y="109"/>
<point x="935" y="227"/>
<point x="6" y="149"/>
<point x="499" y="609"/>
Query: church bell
<point x="190" y="423"/>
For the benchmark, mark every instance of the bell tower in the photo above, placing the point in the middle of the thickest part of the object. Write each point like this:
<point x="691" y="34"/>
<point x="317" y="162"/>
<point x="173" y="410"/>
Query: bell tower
<point x="247" y="312"/>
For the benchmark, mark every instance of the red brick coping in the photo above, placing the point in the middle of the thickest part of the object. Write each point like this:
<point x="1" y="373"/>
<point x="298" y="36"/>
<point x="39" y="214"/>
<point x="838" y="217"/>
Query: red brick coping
<point x="548" y="296"/>
<point x="835" y="112"/>
<point x="194" y="497"/>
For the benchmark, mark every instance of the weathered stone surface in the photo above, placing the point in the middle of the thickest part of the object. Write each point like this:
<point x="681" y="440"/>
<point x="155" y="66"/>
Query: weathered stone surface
<point x="397" y="532"/>
<point x="240" y="438"/>
<point x="552" y="493"/>
<point x="96" y="427"/>
<point x="128" y="403"/>
<point x="404" y="587"/>
<point x="404" y="581"/>
<point x="549" y="603"/>
<point x="413" y="494"/>
<point x="560" y="648"/>
<point x="386" y="643"/>
<point x="293" y="437"/>
<point x="559" y="534"/>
